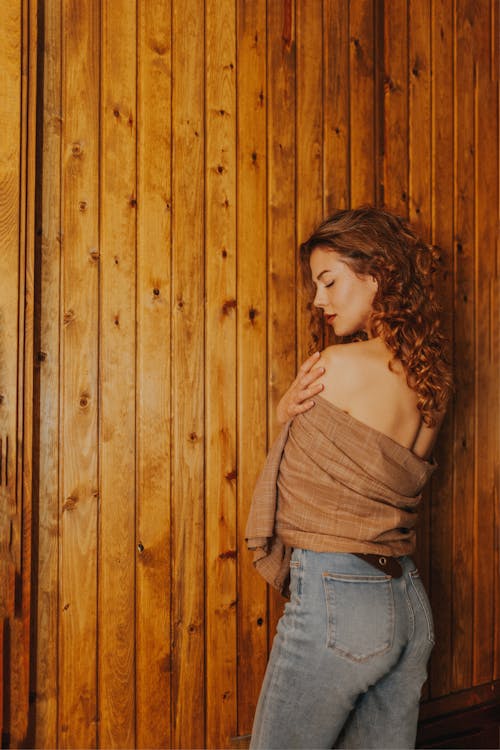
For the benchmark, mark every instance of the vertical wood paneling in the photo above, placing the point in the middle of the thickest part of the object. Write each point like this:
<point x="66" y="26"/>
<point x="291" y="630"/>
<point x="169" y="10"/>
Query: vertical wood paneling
<point x="495" y="334"/>
<point x="20" y="624"/>
<point x="309" y="179"/>
<point x="117" y="424"/>
<point x="362" y="101"/>
<point x="153" y="658"/>
<point x="220" y="376"/>
<point x="486" y="137"/>
<point x="12" y="249"/>
<point x="419" y="203"/>
<point x="336" y="123"/>
<point x="11" y="340"/>
<point x="465" y="440"/>
<point x="179" y="277"/>
<point x="188" y="287"/>
<point x="47" y="383"/>
<point x="442" y="235"/>
<point x="251" y="339"/>
<point x="79" y="376"/>
<point x="396" y="123"/>
<point x="281" y="136"/>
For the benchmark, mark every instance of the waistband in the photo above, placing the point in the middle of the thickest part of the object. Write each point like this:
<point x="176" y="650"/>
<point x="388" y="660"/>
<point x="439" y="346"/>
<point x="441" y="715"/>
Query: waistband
<point x="389" y="565"/>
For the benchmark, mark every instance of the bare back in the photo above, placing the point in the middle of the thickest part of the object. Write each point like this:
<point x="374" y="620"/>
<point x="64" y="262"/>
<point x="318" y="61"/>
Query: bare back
<point x="358" y="380"/>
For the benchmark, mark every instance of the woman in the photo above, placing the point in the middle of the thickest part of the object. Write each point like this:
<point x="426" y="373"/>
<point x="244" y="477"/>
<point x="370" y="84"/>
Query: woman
<point x="334" y="511"/>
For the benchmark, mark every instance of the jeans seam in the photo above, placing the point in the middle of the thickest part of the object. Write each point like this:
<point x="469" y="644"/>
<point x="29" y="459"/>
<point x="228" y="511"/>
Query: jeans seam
<point x="430" y="629"/>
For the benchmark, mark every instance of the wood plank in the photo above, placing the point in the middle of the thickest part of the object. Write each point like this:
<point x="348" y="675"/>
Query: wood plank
<point x="335" y="105"/>
<point x="362" y="101"/>
<point x="220" y="366"/>
<point x="251" y="340"/>
<point x="153" y="658"/>
<point x="117" y="544"/>
<point x="281" y="134"/>
<point x="419" y="203"/>
<point x="486" y="129"/>
<point x="12" y="250"/>
<point x="188" y="694"/>
<point x="441" y="522"/>
<point x="10" y="237"/>
<point x="309" y="149"/>
<point x="336" y="117"/>
<point x="78" y="376"/>
<point x="464" y="442"/>
<point x="20" y="633"/>
<point x="396" y="107"/>
<point x="419" y="144"/>
<point x="48" y="386"/>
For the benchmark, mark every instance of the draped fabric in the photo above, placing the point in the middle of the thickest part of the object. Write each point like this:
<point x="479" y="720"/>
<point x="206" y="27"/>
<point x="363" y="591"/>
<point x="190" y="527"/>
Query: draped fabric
<point x="331" y="483"/>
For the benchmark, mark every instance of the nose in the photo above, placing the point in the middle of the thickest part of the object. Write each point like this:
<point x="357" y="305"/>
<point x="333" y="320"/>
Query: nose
<point x="320" y="298"/>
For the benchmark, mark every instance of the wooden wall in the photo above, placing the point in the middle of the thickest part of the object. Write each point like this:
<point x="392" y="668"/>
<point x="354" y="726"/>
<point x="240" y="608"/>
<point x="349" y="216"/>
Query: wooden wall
<point x="18" y="55"/>
<point x="185" y="149"/>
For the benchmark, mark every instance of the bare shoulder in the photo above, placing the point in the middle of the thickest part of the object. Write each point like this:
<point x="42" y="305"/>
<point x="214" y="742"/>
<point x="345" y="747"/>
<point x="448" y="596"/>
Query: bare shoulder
<point x="348" y="365"/>
<point x="359" y="380"/>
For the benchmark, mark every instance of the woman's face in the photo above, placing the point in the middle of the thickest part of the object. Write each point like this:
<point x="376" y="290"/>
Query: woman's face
<point x="346" y="299"/>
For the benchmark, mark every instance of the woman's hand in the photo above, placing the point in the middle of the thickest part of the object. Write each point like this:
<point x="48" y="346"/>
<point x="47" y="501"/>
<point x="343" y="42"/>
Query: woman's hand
<point x="297" y="398"/>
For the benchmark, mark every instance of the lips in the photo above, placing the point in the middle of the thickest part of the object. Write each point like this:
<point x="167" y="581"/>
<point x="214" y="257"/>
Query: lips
<point x="331" y="318"/>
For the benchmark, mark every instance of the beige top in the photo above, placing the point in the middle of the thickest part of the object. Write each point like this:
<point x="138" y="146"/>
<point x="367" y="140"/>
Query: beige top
<point x="333" y="484"/>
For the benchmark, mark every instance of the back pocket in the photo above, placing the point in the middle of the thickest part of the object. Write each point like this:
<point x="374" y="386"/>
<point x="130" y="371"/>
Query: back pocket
<point x="360" y="615"/>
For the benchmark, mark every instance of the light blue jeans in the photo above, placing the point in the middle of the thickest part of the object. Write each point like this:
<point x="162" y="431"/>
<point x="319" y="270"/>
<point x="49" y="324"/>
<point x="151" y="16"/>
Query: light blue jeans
<point x="349" y="658"/>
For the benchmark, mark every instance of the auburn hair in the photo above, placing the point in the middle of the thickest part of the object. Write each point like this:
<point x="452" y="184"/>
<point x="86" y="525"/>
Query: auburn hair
<point x="405" y="312"/>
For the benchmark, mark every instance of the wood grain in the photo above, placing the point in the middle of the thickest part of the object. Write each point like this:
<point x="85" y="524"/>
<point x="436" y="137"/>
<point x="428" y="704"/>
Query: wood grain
<point x="396" y="107"/>
<point x="486" y="231"/>
<point x="117" y="404"/>
<point x="79" y="377"/>
<point x="465" y="310"/>
<point x="154" y="304"/>
<point x="441" y="521"/>
<point x="187" y="148"/>
<point x="362" y="101"/>
<point x="47" y="374"/>
<point x="251" y="280"/>
<point x="309" y="179"/>
<point x="220" y="380"/>
<point x="336" y="129"/>
<point x="281" y="222"/>
<point x="188" y="397"/>
<point x="12" y="251"/>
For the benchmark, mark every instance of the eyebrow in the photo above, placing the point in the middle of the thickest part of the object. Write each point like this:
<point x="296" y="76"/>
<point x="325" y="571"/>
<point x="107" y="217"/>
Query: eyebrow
<point x="327" y="270"/>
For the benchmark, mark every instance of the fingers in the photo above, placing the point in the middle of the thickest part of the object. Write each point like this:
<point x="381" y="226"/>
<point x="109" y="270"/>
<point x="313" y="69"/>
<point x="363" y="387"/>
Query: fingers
<point x="300" y="408"/>
<point x="309" y="362"/>
<point x="311" y="376"/>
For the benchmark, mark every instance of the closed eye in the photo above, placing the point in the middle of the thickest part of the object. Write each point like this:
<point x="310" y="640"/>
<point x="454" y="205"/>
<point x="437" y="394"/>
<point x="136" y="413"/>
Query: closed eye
<point x="330" y="284"/>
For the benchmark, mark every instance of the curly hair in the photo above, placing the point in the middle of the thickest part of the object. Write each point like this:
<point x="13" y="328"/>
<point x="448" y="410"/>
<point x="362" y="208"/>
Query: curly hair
<point x="405" y="312"/>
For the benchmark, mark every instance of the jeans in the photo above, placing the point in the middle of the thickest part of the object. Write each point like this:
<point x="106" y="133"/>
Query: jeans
<point x="349" y="657"/>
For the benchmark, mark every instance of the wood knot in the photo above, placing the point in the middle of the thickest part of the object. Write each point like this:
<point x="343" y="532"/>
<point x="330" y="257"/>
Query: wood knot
<point x="70" y="503"/>
<point x="230" y="554"/>
<point x="228" y="305"/>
